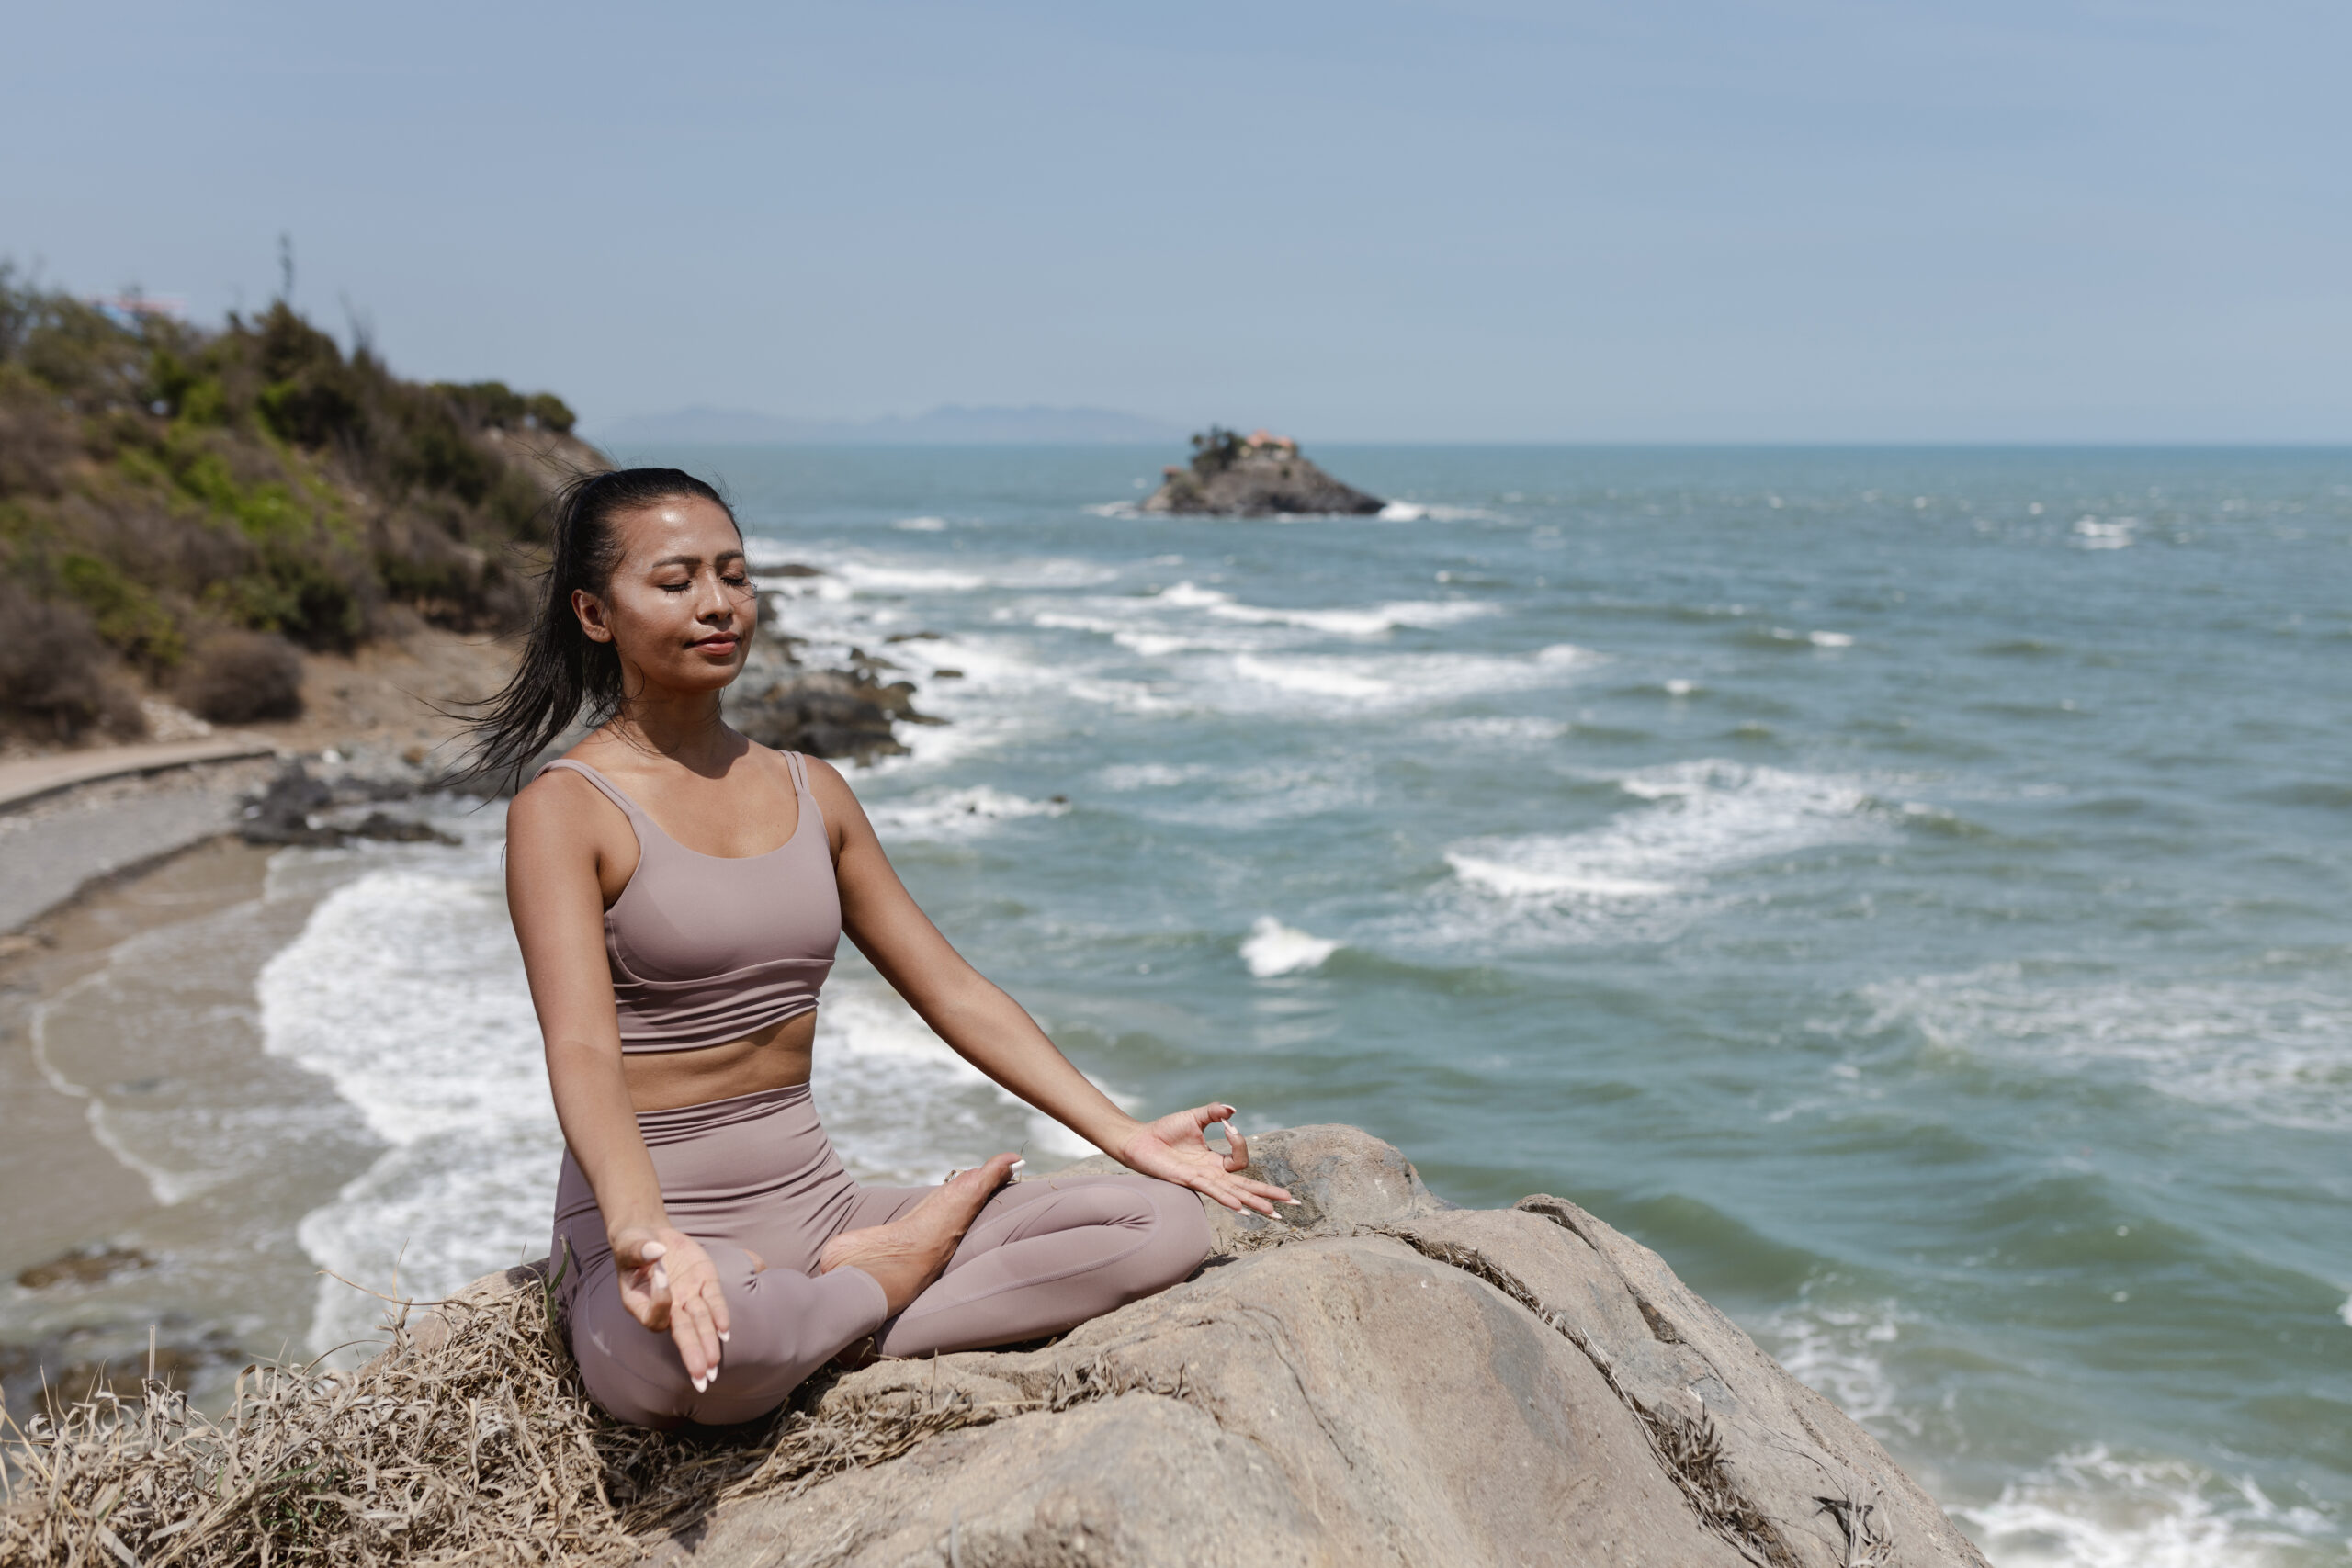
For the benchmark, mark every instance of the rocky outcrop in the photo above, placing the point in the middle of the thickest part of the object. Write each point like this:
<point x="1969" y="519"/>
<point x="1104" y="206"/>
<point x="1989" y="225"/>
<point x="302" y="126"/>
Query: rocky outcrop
<point x="1253" y="476"/>
<point x="1381" y="1379"/>
<point x="1388" y="1380"/>
<point x="849" y="712"/>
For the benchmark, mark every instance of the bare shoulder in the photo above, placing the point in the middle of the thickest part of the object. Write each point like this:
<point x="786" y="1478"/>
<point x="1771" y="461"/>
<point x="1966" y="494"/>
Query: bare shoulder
<point x="834" y="797"/>
<point x="557" y="805"/>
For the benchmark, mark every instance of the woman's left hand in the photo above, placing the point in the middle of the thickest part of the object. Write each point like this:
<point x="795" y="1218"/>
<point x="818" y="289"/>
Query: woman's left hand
<point x="1175" y="1149"/>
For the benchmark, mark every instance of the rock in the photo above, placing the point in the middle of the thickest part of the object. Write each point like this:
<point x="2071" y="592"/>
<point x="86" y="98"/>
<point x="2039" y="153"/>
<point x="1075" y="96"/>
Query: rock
<point x="1388" y="1380"/>
<point x="826" y="713"/>
<point x="294" y="810"/>
<point x="1253" y="476"/>
<point x="83" y="1266"/>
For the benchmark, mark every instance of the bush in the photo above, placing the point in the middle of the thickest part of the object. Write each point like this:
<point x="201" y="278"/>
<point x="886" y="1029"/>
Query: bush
<point x="53" y="670"/>
<point x="236" y="677"/>
<point x="157" y="479"/>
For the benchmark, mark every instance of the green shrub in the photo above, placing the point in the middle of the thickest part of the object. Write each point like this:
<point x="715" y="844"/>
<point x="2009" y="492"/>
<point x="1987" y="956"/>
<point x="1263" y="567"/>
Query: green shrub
<point x="126" y="613"/>
<point x="255" y="476"/>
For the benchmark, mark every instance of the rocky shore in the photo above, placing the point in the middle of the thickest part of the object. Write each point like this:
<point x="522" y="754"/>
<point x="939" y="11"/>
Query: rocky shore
<point x="1383" y="1379"/>
<point x="1254" y="476"/>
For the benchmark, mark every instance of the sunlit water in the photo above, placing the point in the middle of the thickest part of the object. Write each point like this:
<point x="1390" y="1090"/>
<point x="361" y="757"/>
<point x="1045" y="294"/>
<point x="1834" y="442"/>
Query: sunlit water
<point x="1909" y="890"/>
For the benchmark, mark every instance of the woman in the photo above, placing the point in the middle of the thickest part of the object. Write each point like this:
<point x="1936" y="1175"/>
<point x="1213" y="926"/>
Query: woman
<point x="678" y="892"/>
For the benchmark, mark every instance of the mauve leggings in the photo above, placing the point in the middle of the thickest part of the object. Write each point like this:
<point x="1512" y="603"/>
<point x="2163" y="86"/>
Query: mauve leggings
<point x="756" y="1174"/>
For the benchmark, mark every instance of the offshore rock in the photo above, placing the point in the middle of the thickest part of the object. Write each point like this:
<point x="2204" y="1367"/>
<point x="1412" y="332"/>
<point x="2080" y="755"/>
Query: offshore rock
<point x="1254" y="476"/>
<point x="1388" y="1380"/>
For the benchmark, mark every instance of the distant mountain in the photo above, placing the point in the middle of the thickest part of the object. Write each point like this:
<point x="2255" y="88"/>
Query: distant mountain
<point x="950" y="426"/>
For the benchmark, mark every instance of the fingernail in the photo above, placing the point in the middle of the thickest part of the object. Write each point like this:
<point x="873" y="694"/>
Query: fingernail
<point x="652" y="1250"/>
<point x="1292" y="1202"/>
<point x="725" y="1335"/>
<point x="1016" y="1165"/>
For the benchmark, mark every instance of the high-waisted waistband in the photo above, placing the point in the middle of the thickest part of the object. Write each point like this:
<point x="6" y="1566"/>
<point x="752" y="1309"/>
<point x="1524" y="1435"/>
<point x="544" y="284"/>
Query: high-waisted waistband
<point x="693" y="1120"/>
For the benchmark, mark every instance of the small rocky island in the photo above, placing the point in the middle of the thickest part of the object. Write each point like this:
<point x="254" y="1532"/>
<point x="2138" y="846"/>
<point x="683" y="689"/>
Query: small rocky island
<point x="1256" y="475"/>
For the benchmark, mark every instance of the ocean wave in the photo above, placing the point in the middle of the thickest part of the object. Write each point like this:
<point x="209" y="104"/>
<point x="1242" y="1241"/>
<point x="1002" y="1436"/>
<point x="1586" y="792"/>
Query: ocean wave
<point x="1376" y="620"/>
<point x="2093" y="1508"/>
<point x="900" y="1106"/>
<point x="1497" y="730"/>
<point x="1703" y="816"/>
<point x="2275" y="1049"/>
<point x="956" y="813"/>
<point x="1834" y="1351"/>
<point x="1389" y="681"/>
<point x="1273" y="948"/>
<point x="405" y="991"/>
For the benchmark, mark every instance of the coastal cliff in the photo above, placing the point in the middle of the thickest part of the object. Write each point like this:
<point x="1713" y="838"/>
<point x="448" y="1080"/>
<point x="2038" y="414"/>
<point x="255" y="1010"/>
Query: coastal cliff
<point x="1253" y="476"/>
<point x="189" y="516"/>
<point x="1381" y="1378"/>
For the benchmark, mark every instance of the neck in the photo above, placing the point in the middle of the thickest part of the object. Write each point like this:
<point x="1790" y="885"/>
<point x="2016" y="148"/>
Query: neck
<point x="685" y="726"/>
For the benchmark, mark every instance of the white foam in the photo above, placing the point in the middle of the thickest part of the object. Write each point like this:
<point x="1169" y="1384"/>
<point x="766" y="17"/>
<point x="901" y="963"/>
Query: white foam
<point x="2092" y="1509"/>
<point x="1829" y="639"/>
<point x="921" y="524"/>
<point x="956" y="813"/>
<point x="2277" y="1049"/>
<point x="1497" y="730"/>
<point x="405" y="991"/>
<point x="1388" y="681"/>
<point x="1680" y="688"/>
<point x="1402" y="512"/>
<point x="1321" y="678"/>
<point x="1542" y="871"/>
<point x="1829" y="1349"/>
<point x="1374" y="621"/>
<point x="1703" y="816"/>
<point x="2093" y="534"/>
<point x="1150" y="775"/>
<point x="900" y="1106"/>
<point x="1273" y="948"/>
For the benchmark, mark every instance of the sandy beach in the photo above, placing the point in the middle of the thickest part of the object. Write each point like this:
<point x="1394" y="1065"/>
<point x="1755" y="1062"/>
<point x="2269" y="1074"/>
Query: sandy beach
<point x="93" y="875"/>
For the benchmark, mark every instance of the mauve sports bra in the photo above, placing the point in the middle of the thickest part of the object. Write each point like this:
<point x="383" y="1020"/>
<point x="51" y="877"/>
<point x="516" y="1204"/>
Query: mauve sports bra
<point x="707" y="949"/>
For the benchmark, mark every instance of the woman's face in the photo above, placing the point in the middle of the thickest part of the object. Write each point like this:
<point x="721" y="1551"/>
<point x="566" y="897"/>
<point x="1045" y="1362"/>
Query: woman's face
<point x="680" y="608"/>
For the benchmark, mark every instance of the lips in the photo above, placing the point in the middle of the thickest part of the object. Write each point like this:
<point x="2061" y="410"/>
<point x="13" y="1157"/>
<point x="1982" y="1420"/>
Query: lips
<point x="722" y="644"/>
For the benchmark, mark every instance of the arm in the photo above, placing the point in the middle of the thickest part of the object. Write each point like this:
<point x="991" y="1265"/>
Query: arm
<point x="990" y="1031"/>
<point x="666" y="1280"/>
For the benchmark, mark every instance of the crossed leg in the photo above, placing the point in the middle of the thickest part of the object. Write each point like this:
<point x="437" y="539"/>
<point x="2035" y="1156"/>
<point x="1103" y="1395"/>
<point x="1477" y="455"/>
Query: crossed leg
<point x="1043" y="1256"/>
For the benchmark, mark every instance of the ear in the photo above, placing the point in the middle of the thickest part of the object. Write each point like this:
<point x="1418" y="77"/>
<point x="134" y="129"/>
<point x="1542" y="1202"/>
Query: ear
<point x="591" y="611"/>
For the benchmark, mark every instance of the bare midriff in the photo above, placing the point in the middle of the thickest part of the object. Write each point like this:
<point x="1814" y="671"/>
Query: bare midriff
<point x="775" y="1057"/>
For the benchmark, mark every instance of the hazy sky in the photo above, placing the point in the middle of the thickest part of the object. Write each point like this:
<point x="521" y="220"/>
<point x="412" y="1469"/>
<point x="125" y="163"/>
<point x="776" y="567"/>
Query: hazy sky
<point x="1792" y="219"/>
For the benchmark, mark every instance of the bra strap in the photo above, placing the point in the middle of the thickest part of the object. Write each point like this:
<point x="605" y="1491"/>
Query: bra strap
<point x="799" y="772"/>
<point x="628" y="808"/>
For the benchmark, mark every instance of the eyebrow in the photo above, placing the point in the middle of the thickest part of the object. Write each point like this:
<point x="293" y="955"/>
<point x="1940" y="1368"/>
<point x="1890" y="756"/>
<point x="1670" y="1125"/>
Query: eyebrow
<point x="696" y="560"/>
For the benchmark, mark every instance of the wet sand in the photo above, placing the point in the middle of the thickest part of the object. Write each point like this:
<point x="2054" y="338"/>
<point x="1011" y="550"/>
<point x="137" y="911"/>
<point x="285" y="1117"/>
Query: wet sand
<point x="128" y="1035"/>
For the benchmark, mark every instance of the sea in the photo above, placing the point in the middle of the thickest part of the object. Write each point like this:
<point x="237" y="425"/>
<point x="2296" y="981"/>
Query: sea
<point x="1907" y="888"/>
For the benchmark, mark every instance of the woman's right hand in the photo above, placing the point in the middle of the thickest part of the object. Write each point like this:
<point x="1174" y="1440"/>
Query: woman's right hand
<point x="668" y="1283"/>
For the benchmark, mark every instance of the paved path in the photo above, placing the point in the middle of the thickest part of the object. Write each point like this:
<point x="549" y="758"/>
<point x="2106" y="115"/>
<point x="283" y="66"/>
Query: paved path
<point x="21" y="782"/>
<point x="67" y="819"/>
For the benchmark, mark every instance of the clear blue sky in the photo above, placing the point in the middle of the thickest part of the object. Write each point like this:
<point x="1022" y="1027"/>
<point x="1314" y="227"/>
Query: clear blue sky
<point x="1784" y="221"/>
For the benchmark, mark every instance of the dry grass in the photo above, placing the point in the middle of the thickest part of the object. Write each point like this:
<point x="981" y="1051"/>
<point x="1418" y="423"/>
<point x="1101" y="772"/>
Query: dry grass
<point x="474" y="1444"/>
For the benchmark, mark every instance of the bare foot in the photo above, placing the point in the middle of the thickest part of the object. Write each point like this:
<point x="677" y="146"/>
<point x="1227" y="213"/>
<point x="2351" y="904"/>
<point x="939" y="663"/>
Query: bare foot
<point x="906" y="1256"/>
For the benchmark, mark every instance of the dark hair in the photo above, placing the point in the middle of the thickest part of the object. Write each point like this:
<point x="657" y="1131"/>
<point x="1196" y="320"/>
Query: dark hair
<point x="564" y="669"/>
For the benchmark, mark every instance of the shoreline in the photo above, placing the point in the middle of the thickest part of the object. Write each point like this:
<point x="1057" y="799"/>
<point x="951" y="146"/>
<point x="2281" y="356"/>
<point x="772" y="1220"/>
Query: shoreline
<point x="75" y="820"/>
